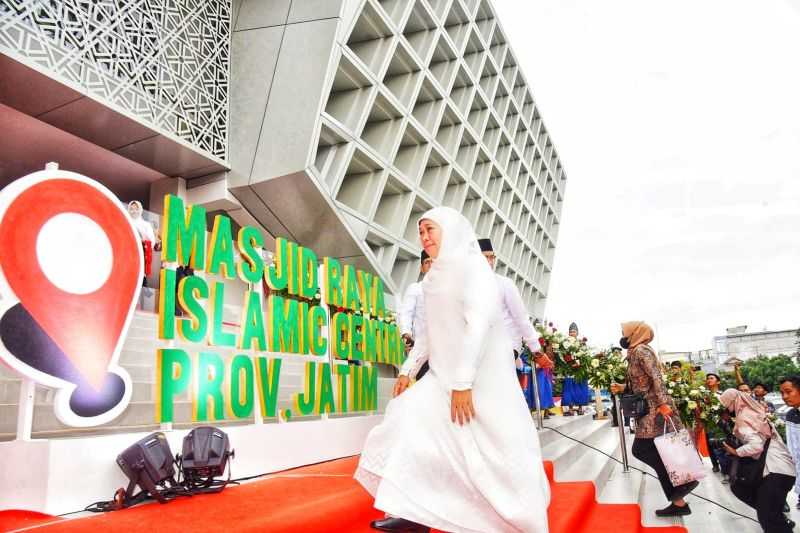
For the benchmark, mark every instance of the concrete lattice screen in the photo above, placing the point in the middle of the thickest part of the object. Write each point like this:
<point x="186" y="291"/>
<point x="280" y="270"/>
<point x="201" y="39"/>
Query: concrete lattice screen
<point x="428" y="107"/>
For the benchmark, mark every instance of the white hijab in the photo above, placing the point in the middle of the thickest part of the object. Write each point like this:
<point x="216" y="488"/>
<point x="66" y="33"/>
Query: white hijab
<point x="143" y="227"/>
<point x="459" y="288"/>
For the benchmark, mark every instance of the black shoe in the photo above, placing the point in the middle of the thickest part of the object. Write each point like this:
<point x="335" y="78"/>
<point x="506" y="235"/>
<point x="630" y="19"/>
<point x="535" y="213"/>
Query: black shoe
<point x="683" y="490"/>
<point x="398" y="524"/>
<point x="715" y="469"/>
<point x="674" y="510"/>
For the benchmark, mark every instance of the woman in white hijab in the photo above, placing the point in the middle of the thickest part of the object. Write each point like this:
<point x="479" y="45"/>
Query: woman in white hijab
<point x="147" y="236"/>
<point x="458" y="451"/>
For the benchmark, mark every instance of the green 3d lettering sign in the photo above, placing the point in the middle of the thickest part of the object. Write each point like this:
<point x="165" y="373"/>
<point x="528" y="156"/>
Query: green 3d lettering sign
<point x="324" y="309"/>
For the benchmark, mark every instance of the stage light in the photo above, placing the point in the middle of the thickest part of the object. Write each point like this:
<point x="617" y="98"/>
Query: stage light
<point x="204" y="456"/>
<point x="148" y="463"/>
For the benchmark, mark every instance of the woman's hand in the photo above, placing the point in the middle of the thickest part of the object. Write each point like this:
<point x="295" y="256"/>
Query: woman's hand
<point x="664" y="410"/>
<point x="616" y="388"/>
<point x="461" y="408"/>
<point x="401" y="385"/>
<point x="730" y="450"/>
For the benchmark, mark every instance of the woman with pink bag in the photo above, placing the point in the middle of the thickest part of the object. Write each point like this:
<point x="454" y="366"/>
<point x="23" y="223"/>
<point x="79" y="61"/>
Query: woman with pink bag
<point x="644" y="378"/>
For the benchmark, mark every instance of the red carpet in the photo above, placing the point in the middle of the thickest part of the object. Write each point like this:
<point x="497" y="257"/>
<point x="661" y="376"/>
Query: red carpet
<point x="317" y="498"/>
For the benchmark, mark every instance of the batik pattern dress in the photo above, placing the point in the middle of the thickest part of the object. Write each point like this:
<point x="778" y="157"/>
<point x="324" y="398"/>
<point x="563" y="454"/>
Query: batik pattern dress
<point x="644" y="377"/>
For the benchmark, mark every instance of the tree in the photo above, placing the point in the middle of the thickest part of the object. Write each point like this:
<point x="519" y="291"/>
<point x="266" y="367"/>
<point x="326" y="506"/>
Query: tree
<point x="769" y="370"/>
<point x="797" y="343"/>
<point x="727" y="380"/>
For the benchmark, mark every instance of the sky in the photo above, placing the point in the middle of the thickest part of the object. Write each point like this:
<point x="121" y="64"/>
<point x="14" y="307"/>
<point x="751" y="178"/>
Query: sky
<point x="678" y="124"/>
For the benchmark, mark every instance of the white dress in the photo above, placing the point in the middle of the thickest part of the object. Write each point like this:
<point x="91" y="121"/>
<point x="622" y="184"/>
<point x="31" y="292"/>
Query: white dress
<point x="486" y="476"/>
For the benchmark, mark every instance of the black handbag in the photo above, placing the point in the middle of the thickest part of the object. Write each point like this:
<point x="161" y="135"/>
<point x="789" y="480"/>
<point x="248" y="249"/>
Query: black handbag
<point x="746" y="474"/>
<point x="634" y="405"/>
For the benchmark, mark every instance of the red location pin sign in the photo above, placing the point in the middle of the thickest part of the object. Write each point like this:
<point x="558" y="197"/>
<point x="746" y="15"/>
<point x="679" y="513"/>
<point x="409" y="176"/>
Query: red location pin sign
<point x="70" y="275"/>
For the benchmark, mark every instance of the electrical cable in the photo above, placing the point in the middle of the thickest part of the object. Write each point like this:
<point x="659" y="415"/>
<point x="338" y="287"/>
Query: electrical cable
<point x="648" y="473"/>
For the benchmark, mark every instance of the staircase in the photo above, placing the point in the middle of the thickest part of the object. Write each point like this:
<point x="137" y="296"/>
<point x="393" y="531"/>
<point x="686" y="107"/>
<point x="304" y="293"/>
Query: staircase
<point x="575" y="462"/>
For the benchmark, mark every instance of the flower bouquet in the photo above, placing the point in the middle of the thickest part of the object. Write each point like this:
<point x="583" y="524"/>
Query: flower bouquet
<point x="549" y="335"/>
<point x="696" y="404"/>
<point x="779" y="423"/>
<point x="606" y="368"/>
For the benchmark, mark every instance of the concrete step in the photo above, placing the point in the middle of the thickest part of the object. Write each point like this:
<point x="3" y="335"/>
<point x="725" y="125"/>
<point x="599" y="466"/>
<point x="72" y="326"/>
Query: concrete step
<point x="9" y="392"/>
<point x="138" y="357"/>
<point x="106" y="430"/>
<point x="638" y="487"/>
<point x="708" y="517"/>
<point x="564" y="424"/>
<point x="564" y="452"/>
<point x="575" y="462"/>
<point x="591" y="465"/>
<point x="138" y="413"/>
<point x="141" y="411"/>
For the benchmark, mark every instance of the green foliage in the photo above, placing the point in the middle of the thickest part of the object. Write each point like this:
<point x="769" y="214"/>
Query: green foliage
<point x="797" y="343"/>
<point x="572" y="355"/>
<point x="769" y="370"/>
<point x="606" y="368"/>
<point x="695" y="404"/>
<point x="727" y="380"/>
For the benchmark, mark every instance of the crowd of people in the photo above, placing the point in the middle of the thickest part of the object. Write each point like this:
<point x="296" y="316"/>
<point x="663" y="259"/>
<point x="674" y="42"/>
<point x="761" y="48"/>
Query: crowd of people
<point x="756" y="462"/>
<point x="457" y="449"/>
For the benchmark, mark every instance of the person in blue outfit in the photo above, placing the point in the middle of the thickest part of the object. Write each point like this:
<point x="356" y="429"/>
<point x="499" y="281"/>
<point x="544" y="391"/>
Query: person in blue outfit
<point x="575" y="393"/>
<point x="544" y="380"/>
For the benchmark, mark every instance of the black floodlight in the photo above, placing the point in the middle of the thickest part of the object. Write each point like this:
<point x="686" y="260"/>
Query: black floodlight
<point x="204" y="456"/>
<point x="148" y="463"/>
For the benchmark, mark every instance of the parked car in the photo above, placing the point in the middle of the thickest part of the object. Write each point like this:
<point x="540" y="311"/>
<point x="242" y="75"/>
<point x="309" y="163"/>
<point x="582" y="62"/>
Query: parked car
<point x="782" y="411"/>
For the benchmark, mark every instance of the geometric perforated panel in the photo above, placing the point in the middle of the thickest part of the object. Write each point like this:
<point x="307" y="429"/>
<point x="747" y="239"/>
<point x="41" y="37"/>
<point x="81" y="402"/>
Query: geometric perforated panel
<point x="428" y="106"/>
<point x="165" y="62"/>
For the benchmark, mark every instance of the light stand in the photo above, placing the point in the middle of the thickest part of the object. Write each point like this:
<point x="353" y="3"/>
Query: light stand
<point x="539" y="421"/>
<point x="622" y="443"/>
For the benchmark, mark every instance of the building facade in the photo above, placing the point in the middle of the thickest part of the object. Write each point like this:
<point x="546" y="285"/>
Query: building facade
<point x="742" y="345"/>
<point x="336" y="123"/>
<point x="396" y="107"/>
<point x="333" y="123"/>
<point x="704" y="359"/>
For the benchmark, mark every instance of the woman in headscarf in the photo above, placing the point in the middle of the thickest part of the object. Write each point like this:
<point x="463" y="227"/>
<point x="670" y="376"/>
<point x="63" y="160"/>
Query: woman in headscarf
<point x="458" y="451"/>
<point x="754" y="431"/>
<point x="644" y="377"/>
<point x="147" y="236"/>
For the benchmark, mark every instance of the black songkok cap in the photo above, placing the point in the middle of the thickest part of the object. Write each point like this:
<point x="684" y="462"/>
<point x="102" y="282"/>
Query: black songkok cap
<point x="486" y="245"/>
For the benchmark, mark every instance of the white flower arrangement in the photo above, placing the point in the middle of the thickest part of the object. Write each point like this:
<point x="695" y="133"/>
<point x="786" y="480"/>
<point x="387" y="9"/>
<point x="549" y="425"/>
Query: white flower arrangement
<point x="693" y="400"/>
<point x="605" y="368"/>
